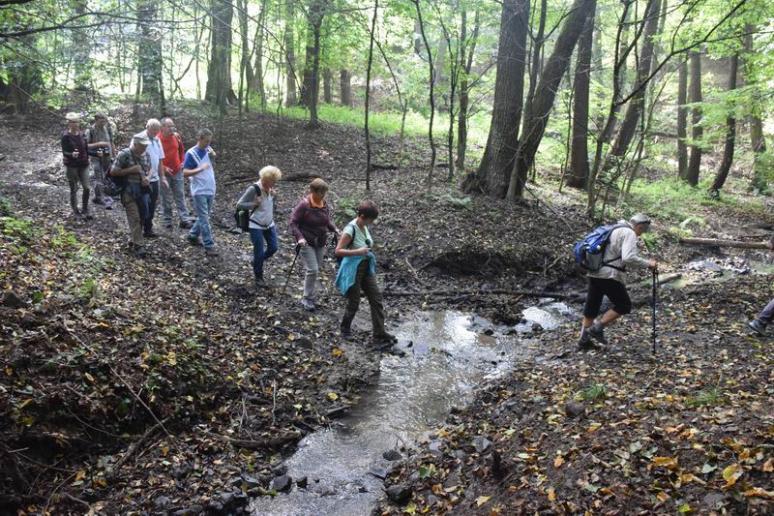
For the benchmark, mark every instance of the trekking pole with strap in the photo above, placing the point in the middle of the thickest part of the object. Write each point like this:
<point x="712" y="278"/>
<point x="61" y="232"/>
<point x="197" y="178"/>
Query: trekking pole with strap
<point x="292" y="266"/>
<point x="653" y="293"/>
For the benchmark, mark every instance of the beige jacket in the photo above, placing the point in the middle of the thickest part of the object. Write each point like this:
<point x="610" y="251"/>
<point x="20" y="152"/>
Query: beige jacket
<point x="621" y="252"/>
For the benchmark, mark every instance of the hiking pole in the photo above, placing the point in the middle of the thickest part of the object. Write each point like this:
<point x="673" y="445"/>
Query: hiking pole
<point x="653" y="317"/>
<point x="290" y="272"/>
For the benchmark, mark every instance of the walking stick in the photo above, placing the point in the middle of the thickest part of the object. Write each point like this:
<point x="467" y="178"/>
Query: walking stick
<point x="290" y="272"/>
<point x="655" y="284"/>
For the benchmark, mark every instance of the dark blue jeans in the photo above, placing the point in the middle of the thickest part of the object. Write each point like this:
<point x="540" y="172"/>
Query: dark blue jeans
<point x="149" y="209"/>
<point x="261" y="254"/>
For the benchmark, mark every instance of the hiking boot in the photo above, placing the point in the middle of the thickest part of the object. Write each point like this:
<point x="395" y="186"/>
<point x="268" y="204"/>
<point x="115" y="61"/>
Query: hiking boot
<point x="192" y="240"/>
<point x="585" y="343"/>
<point x="150" y="234"/>
<point x="308" y="305"/>
<point x="87" y="215"/>
<point x="211" y="252"/>
<point x="758" y="327"/>
<point x="385" y="338"/>
<point x="346" y="333"/>
<point x="597" y="332"/>
<point x="184" y="224"/>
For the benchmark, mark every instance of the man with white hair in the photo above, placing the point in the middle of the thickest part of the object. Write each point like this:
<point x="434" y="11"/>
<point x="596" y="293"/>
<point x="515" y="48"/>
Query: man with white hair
<point x="134" y="165"/>
<point x="155" y="154"/>
<point x="172" y="167"/>
<point x="610" y="280"/>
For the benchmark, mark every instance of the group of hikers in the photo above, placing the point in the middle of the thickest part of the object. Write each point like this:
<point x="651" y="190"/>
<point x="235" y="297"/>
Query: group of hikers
<point x="156" y="163"/>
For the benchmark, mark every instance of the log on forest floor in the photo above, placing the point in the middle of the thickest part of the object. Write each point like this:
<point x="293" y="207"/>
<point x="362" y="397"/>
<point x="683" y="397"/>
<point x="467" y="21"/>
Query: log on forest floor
<point x="571" y="296"/>
<point x="724" y="243"/>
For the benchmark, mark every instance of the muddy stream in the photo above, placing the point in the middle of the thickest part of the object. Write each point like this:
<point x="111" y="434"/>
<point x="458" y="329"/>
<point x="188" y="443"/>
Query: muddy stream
<point x="440" y="360"/>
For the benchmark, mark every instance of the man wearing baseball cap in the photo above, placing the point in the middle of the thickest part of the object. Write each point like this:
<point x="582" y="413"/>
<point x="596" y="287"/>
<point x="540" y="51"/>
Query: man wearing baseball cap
<point x="134" y="165"/>
<point x="610" y="280"/>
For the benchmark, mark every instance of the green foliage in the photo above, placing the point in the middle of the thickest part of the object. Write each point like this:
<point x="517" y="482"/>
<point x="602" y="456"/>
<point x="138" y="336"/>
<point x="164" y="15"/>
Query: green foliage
<point x="462" y="203"/>
<point x="18" y="229"/>
<point x="89" y="290"/>
<point x="346" y="209"/>
<point x="594" y="392"/>
<point x="705" y="398"/>
<point x="5" y="207"/>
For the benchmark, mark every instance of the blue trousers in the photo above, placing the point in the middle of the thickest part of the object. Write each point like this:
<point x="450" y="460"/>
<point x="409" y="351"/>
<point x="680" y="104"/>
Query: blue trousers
<point x="261" y="253"/>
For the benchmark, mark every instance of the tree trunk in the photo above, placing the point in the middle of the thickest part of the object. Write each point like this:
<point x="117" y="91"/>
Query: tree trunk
<point x="431" y="80"/>
<point x="537" y="47"/>
<point x="637" y="102"/>
<point x="492" y="175"/>
<point x="579" y="152"/>
<point x="536" y="117"/>
<point x="464" y="92"/>
<point x="728" y="149"/>
<point x="757" y="139"/>
<point x="244" y="62"/>
<point x="290" y="56"/>
<point x="310" y="91"/>
<point x="327" y="86"/>
<point x="149" y="51"/>
<point x="80" y="51"/>
<point x="694" y="163"/>
<point x="345" y="86"/>
<point x="219" y="90"/>
<point x="368" y="95"/>
<point x="682" y="118"/>
<point x="256" y="82"/>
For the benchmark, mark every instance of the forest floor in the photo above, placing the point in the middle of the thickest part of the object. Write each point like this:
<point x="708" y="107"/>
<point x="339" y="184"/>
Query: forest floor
<point x="169" y="385"/>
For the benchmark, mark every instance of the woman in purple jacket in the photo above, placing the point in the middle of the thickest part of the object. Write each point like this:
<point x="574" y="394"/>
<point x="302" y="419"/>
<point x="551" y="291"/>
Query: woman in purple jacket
<point x="309" y="224"/>
<point x="76" y="161"/>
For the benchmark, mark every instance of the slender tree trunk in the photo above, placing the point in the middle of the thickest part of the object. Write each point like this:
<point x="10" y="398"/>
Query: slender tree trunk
<point x="682" y="119"/>
<point x="244" y="62"/>
<point x="149" y="51"/>
<point x="310" y="93"/>
<point x="327" y="86"/>
<point x="537" y="48"/>
<point x="290" y="56"/>
<point x="257" y="82"/>
<point x="579" y="152"/>
<point x="536" y="117"/>
<point x="368" y="95"/>
<point x="345" y="87"/>
<point x="637" y="102"/>
<point x="431" y="69"/>
<point x="80" y="51"/>
<point x="757" y="139"/>
<point x="219" y="90"/>
<point x="493" y="172"/>
<point x="694" y="162"/>
<point x="466" y="55"/>
<point x="728" y="149"/>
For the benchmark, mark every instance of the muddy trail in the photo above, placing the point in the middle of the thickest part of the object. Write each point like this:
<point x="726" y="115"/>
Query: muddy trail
<point x="169" y="385"/>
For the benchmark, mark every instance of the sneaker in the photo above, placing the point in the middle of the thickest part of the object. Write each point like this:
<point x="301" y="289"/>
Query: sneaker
<point x="193" y="240"/>
<point x="308" y="305"/>
<point x="597" y="332"/>
<point x="211" y="251"/>
<point x="758" y="327"/>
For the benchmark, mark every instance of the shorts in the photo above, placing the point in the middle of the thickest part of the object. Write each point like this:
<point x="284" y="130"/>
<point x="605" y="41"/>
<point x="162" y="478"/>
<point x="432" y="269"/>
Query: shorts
<point x="615" y="292"/>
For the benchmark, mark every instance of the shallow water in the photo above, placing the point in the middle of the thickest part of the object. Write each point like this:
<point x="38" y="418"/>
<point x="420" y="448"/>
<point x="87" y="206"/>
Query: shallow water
<point x="447" y="356"/>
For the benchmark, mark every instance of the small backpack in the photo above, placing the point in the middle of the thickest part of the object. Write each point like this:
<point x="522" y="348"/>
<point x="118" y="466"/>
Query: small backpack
<point x="590" y="251"/>
<point x="242" y="216"/>
<point x="114" y="185"/>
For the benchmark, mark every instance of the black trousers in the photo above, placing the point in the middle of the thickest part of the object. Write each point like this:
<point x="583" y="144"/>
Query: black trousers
<point x="615" y="292"/>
